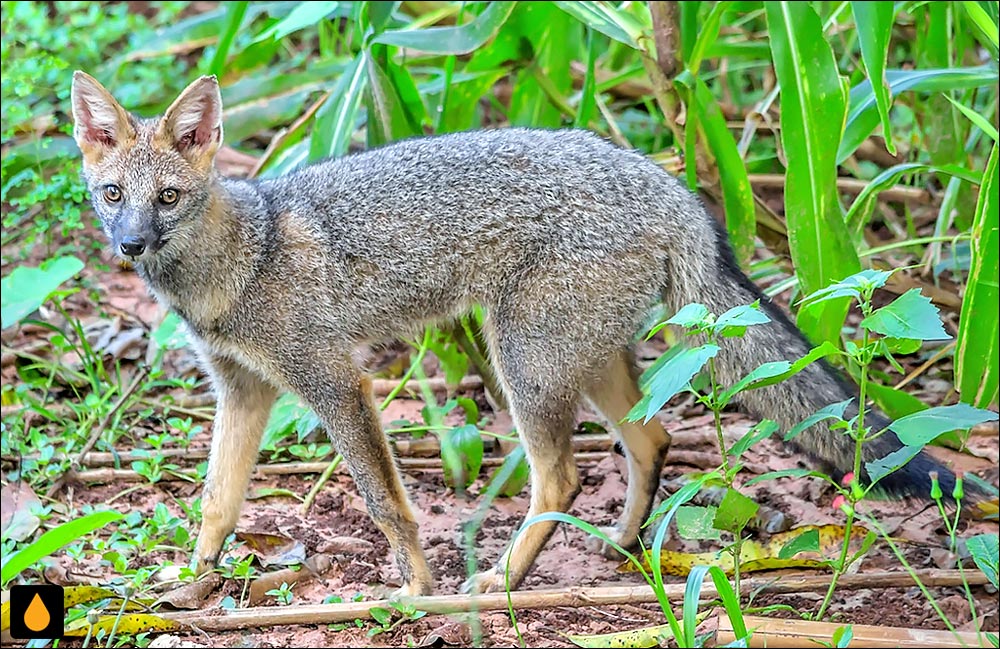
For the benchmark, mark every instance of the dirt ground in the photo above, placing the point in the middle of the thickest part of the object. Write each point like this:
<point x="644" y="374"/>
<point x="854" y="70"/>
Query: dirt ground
<point x="566" y="561"/>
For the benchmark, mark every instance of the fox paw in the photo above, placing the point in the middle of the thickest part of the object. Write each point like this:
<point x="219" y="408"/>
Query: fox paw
<point x="488" y="581"/>
<point x="412" y="589"/>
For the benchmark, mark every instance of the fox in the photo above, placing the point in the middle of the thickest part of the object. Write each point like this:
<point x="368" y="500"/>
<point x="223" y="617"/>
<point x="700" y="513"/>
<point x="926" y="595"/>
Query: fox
<point x="567" y="241"/>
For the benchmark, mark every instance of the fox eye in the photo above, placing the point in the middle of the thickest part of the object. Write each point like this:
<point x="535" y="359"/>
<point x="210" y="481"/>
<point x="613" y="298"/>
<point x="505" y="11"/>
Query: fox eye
<point x="169" y="196"/>
<point x="112" y="193"/>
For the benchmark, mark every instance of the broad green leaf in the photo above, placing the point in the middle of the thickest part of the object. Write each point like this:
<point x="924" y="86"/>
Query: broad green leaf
<point x="863" y="204"/>
<point x="52" y="540"/>
<point x="977" y="354"/>
<point x="741" y="316"/>
<point x="28" y="287"/>
<point x="778" y="371"/>
<point x="882" y="467"/>
<point x="305" y="14"/>
<point x="983" y="548"/>
<point x="695" y="523"/>
<point x="853" y="286"/>
<point x="894" y="402"/>
<point x="171" y="333"/>
<point x="922" y="427"/>
<point x="874" y="29"/>
<point x="812" y="118"/>
<point x="462" y="456"/>
<point x="808" y="541"/>
<point x="911" y="315"/>
<point x="734" y="512"/>
<point x="985" y="23"/>
<point x="690" y="315"/>
<point x="862" y="116"/>
<point x="832" y="411"/>
<point x="670" y="379"/>
<point x="762" y="429"/>
<point x="461" y="39"/>
<point x="514" y="473"/>
<point x="336" y="120"/>
<point x="606" y="19"/>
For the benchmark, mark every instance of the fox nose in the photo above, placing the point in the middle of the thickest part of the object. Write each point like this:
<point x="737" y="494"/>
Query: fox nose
<point x="133" y="246"/>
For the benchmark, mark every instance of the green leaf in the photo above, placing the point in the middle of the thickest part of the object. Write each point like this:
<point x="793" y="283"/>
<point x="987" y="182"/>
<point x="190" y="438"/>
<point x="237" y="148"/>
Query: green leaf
<point x="976" y="119"/>
<point x="336" y="120"/>
<point x="52" y="540"/>
<point x="761" y="430"/>
<point x="863" y="204"/>
<point x="381" y="615"/>
<point x="237" y="10"/>
<point x="812" y="118"/>
<point x="462" y="456"/>
<point x="894" y="402"/>
<point x="514" y="472"/>
<point x="171" y="333"/>
<point x="27" y="287"/>
<point x="740" y="316"/>
<point x="735" y="511"/>
<point x="983" y="548"/>
<point x="832" y="411"/>
<point x="852" y="286"/>
<point x="862" y="114"/>
<point x="985" y="23"/>
<point x="977" y="354"/>
<point x="922" y="427"/>
<point x="808" y="541"/>
<point x="387" y="115"/>
<point x="695" y="523"/>
<point x="305" y="14"/>
<point x="911" y="315"/>
<point x="606" y="19"/>
<point x="874" y="30"/>
<point x="461" y="39"/>
<point x="691" y="316"/>
<point x="787" y="473"/>
<point x="880" y="468"/>
<point x="777" y="371"/>
<point x="671" y="378"/>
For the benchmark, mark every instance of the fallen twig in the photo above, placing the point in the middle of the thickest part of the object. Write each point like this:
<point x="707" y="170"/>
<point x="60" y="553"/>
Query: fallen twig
<point x="898" y="193"/>
<point x="769" y="632"/>
<point x="214" y="620"/>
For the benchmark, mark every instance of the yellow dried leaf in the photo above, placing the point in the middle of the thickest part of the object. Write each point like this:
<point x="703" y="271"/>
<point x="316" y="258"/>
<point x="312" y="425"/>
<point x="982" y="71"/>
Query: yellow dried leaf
<point x="645" y="637"/>
<point x="129" y="625"/>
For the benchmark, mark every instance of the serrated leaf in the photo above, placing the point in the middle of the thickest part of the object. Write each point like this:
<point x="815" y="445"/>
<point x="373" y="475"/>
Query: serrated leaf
<point x="762" y="429"/>
<point x="695" y="523"/>
<point x="984" y="550"/>
<point x="734" y="512"/>
<point x="670" y="378"/>
<point x="832" y="411"/>
<point x="911" y="315"/>
<point x="878" y="469"/>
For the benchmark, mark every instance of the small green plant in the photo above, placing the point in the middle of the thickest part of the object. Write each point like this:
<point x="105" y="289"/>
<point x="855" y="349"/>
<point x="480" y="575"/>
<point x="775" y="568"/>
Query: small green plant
<point x="283" y="594"/>
<point x="383" y="616"/>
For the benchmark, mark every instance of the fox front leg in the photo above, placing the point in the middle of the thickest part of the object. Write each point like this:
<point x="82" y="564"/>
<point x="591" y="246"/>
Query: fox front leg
<point x="244" y="405"/>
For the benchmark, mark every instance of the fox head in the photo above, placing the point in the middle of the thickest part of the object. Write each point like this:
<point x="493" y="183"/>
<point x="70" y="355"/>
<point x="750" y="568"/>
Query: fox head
<point x="149" y="179"/>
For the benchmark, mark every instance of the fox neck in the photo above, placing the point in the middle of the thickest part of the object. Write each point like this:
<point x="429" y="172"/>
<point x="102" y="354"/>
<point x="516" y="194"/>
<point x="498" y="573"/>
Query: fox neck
<point x="205" y="268"/>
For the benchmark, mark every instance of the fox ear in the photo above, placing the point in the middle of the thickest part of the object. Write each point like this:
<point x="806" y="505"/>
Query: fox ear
<point x="99" y="122"/>
<point x="193" y="123"/>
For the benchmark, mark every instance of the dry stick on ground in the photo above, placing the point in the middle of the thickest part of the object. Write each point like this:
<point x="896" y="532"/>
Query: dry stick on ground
<point x="96" y="434"/>
<point x="897" y="193"/>
<point x="258" y="617"/>
<point x="769" y="632"/>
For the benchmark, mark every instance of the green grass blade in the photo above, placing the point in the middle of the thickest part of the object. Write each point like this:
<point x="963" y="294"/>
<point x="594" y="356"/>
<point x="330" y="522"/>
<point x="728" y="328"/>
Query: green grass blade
<point x="609" y="21"/>
<point x="452" y="40"/>
<point x="237" y="10"/>
<point x="985" y="23"/>
<point x="862" y="114"/>
<point x="812" y="113"/>
<point x="978" y="351"/>
<point x="976" y="119"/>
<point x="335" y="120"/>
<point x="874" y="22"/>
<point x="54" y="539"/>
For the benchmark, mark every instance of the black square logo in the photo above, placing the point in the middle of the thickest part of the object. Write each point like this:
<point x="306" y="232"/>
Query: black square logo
<point x="36" y="612"/>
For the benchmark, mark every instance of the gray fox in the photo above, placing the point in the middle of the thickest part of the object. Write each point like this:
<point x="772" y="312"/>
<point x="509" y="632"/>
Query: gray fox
<point x="566" y="240"/>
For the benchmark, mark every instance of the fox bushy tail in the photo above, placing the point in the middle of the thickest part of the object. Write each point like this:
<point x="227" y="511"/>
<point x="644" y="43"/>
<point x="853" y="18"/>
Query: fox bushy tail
<point x="714" y="279"/>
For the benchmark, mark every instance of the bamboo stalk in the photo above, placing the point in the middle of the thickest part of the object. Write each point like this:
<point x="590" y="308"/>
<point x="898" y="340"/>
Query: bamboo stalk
<point x="900" y="193"/>
<point x="214" y="620"/>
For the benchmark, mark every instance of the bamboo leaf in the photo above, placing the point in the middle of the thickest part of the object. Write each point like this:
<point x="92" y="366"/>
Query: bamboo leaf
<point x="54" y="539"/>
<point x="609" y="21"/>
<point x="874" y="21"/>
<point x="977" y="355"/>
<point x="451" y="40"/>
<point x="812" y="115"/>
<point x="335" y="121"/>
